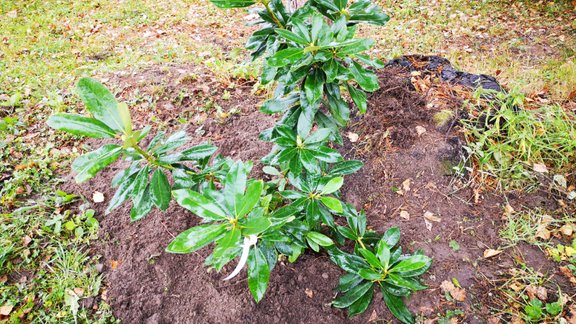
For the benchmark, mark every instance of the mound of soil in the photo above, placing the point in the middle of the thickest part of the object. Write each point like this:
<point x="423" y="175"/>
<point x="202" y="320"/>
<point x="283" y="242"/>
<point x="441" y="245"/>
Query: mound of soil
<point x="407" y="169"/>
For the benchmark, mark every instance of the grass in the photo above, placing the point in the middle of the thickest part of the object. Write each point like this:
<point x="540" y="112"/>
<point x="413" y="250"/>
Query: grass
<point x="46" y="274"/>
<point x="514" y="147"/>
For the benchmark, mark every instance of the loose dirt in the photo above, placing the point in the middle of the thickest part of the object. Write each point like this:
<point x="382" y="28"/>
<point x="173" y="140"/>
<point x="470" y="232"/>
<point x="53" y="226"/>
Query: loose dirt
<point x="407" y="181"/>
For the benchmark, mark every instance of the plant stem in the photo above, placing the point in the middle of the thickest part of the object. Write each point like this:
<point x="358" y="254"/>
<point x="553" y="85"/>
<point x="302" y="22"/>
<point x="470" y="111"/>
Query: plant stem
<point x="276" y="20"/>
<point x="150" y="158"/>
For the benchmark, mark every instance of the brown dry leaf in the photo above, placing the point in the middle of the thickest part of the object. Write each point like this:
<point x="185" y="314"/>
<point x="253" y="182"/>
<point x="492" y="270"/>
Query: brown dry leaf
<point x="420" y="130"/>
<point x="26" y="240"/>
<point x="508" y="210"/>
<point x="309" y="292"/>
<point x="404" y="214"/>
<point x="567" y="230"/>
<point x="493" y="320"/>
<point x="568" y="274"/>
<point x="516" y="286"/>
<point x="488" y="253"/>
<point x="6" y="309"/>
<point x="537" y="291"/>
<point x="98" y="197"/>
<point x="373" y="316"/>
<point x="3" y="279"/>
<point x="458" y="294"/>
<point x="353" y="137"/>
<point x="79" y="292"/>
<point x="114" y="264"/>
<point x="406" y="185"/>
<point x="430" y="216"/>
<point x="540" y="168"/>
<point x="542" y="232"/>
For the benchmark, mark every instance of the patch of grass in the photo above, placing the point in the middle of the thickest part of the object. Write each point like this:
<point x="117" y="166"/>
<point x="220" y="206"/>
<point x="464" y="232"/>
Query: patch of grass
<point x="533" y="226"/>
<point x="44" y="269"/>
<point x="513" y="146"/>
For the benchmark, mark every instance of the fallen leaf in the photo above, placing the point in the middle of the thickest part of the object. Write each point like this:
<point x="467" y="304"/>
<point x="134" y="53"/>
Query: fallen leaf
<point x="568" y="274"/>
<point x="420" y="130"/>
<point x="353" y="137"/>
<point x="488" y="253"/>
<point x="567" y="230"/>
<point x="114" y="264"/>
<point x="537" y="291"/>
<point x="540" y="168"/>
<point x="406" y="185"/>
<point x="458" y="294"/>
<point x="309" y="292"/>
<point x="6" y="310"/>
<point x="26" y="240"/>
<point x="542" y="232"/>
<point x="3" y="279"/>
<point x="508" y="210"/>
<point x="428" y="225"/>
<point x="430" y="216"/>
<point x="98" y="197"/>
<point x="373" y="316"/>
<point x="79" y="292"/>
<point x="404" y="214"/>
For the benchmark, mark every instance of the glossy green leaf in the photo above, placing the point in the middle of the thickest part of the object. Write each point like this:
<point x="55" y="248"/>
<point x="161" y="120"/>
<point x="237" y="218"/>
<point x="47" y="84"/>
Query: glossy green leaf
<point x="198" y="204"/>
<point x="195" y="238"/>
<point x="332" y="203"/>
<point x="309" y="162"/>
<point x="354" y="46"/>
<point x="102" y="105"/>
<point x="258" y="273"/>
<point x="392" y="236"/>
<point x="256" y="225"/>
<point x="332" y="186"/>
<point x="197" y="152"/>
<point x="86" y="166"/>
<point x="226" y="4"/>
<point x="346" y="167"/>
<point x="369" y="274"/>
<point x="143" y="207"/>
<point x="320" y="239"/>
<point x="235" y="185"/>
<point x="319" y="136"/>
<point x="397" y="307"/>
<point x="366" y="79"/>
<point x="80" y="125"/>
<point x="352" y="295"/>
<point x="413" y="263"/>
<point x="286" y="56"/>
<point x="361" y="305"/>
<point x="291" y="36"/>
<point x="228" y="244"/>
<point x="253" y="192"/>
<point x="140" y="185"/>
<point x="371" y="258"/>
<point x="124" y="191"/>
<point x="160" y="190"/>
<point x="348" y="281"/>
<point x="327" y="154"/>
<point x="399" y="281"/>
<point x="359" y="98"/>
<point x="313" y="86"/>
<point x="383" y="253"/>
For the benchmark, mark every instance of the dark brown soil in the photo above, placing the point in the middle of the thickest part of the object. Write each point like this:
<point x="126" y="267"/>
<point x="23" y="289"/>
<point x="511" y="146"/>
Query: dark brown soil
<point x="146" y="285"/>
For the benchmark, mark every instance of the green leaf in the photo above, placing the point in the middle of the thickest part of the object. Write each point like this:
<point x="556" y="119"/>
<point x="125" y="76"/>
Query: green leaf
<point x="392" y="236"/>
<point x="367" y="80"/>
<point x="318" y="136"/>
<point x="369" y="274"/>
<point x="253" y="192"/>
<point x="195" y="238"/>
<point x="352" y="295"/>
<point x="327" y="155"/>
<point x="229" y="243"/>
<point x="143" y="207"/>
<point x="285" y="57"/>
<point x="309" y="162"/>
<point x="198" y="204"/>
<point x="226" y="4"/>
<point x="313" y="86"/>
<point x="346" y="167"/>
<point x="258" y="273"/>
<point x="320" y="239"/>
<point x="397" y="307"/>
<point x="371" y="258"/>
<point x="140" y="185"/>
<point x="255" y="225"/>
<point x="86" y="166"/>
<point x="197" y="152"/>
<point x="413" y="263"/>
<point x="359" y="98"/>
<point x="348" y="281"/>
<point x="234" y="186"/>
<point x="102" y="105"/>
<point x="332" y="203"/>
<point x="80" y="125"/>
<point x="534" y="309"/>
<point x="383" y="253"/>
<point x="332" y="186"/>
<point x="291" y="36"/>
<point x="398" y="281"/>
<point x="160" y="190"/>
<point x="361" y="305"/>
<point x="354" y="46"/>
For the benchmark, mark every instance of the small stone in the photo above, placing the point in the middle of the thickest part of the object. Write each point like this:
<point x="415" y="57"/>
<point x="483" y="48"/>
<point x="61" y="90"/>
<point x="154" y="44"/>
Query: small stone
<point x="325" y="275"/>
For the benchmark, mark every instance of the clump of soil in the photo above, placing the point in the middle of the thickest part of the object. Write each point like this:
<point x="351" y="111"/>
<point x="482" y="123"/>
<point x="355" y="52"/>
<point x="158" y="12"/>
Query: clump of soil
<point x="406" y="170"/>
